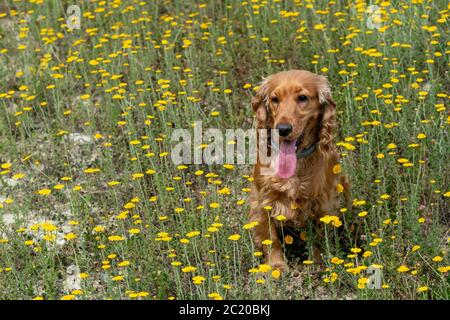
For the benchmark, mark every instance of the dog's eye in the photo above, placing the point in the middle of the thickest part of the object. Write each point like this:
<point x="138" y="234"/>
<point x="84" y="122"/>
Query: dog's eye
<point x="274" y="99"/>
<point x="302" y="98"/>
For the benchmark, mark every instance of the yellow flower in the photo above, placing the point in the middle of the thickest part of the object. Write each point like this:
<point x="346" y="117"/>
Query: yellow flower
<point x="117" y="278"/>
<point x="288" y="239"/>
<point x="44" y="192"/>
<point x="280" y="217"/>
<point x="6" y="165"/>
<point x="129" y="205"/>
<point x="355" y="250"/>
<point x="49" y="227"/>
<point x="116" y="238"/>
<point x="336" y="260"/>
<point x="113" y="183"/>
<point x="214" y="205"/>
<point x="326" y="219"/>
<point x="362" y="282"/>
<point x="267" y="242"/>
<point x="189" y="269"/>
<point x="335" y="221"/>
<point x="391" y="146"/>
<point x="421" y="136"/>
<point x="234" y="237"/>
<point x="70" y="236"/>
<point x="192" y="234"/>
<point x="337" y="169"/>
<point x="422" y="289"/>
<point x="250" y="225"/>
<point x="319" y="27"/>
<point x="403" y="268"/>
<point x="198" y="172"/>
<point x="137" y="176"/>
<point x="263" y="268"/>
<point x="346" y="145"/>
<point x="68" y="297"/>
<point x="92" y="170"/>
<point x="362" y="214"/>
<point x="198" y="279"/>
<point x="215" y="296"/>
<point x="99" y="229"/>
<point x="124" y="263"/>
<point x="444" y="269"/>
<point x="437" y="259"/>
<point x="143" y="294"/>
<point x="276" y="274"/>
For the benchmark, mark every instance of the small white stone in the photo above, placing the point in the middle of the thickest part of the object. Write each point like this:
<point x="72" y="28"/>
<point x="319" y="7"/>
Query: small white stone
<point x="8" y="219"/>
<point x="79" y="138"/>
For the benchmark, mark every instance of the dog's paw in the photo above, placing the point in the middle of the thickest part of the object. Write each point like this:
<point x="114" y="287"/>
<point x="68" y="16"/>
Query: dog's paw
<point x="278" y="264"/>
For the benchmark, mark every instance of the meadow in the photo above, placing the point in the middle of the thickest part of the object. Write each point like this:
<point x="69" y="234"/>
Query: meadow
<point x="92" y="207"/>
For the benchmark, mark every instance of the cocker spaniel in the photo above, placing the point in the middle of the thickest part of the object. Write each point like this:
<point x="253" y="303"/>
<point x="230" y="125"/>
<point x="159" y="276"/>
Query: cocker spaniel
<point x="305" y="180"/>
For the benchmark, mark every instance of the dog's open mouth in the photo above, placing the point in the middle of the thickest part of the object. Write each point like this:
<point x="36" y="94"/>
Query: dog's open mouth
<point x="286" y="162"/>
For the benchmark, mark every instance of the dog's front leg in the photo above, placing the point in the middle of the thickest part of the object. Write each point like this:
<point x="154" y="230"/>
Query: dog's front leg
<point x="266" y="230"/>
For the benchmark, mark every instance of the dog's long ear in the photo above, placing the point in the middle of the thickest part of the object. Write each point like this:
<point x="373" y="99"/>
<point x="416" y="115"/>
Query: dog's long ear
<point x="259" y="104"/>
<point x="329" y="115"/>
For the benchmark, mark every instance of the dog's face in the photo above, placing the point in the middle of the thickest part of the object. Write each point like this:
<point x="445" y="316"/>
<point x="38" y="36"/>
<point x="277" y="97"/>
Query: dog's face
<point x="298" y="103"/>
<point x="292" y="101"/>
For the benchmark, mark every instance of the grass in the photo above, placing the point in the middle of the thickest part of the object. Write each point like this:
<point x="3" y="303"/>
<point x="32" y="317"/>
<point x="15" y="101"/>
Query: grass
<point x="91" y="206"/>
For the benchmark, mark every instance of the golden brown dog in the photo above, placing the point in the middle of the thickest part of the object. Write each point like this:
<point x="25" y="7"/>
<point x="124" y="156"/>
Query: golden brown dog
<point x="303" y="184"/>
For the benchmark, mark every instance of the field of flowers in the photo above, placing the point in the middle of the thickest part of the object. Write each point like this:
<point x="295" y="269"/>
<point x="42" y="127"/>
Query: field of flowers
<point x="92" y="207"/>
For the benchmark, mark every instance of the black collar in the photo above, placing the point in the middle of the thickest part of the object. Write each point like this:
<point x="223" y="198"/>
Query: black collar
<point x="307" y="151"/>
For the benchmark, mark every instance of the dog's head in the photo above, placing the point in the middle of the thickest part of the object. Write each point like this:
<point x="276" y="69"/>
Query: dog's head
<point x="299" y="104"/>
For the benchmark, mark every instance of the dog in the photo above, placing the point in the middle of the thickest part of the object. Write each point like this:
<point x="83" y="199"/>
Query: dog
<point x="305" y="181"/>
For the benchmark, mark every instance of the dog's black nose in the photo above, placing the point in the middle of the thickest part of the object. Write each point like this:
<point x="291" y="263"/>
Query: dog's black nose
<point x="284" y="129"/>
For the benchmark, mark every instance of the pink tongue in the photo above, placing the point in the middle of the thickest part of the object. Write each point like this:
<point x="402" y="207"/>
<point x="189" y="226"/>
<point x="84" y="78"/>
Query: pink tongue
<point x="287" y="160"/>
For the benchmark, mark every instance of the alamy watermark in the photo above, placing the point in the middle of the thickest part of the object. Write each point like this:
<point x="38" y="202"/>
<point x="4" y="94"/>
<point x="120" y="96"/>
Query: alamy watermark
<point x="74" y="17"/>
<point x="230" y="146"/>
<point x="374" y="20"/>
<point x="375" y="277"/>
